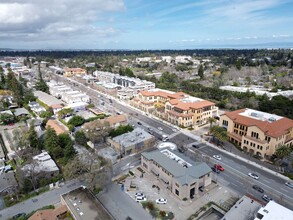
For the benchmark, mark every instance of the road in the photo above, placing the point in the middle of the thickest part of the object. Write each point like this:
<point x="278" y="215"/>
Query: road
<point x="236" y="170"/>
<point x="47" y="198"/>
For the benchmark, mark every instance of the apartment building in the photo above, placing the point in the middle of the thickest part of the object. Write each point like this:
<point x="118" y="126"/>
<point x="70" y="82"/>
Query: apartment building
<point x="176" y="107"/>
<point x="73" y="71"/>
<point x="258" y="132"/>
<point x="182" y="176"/>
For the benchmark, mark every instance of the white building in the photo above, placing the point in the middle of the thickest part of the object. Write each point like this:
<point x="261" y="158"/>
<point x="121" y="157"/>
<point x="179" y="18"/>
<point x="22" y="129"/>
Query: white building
<point x="77" y="106"/>
<point x="143" y="59"/>
<point x="36" y="107"/>
<point x="167" y="59"/>
<point x="182" y="59"/>
<point x="274" y="211"/>
<point x="75" y="96"/>
<point x="58" y="90"/>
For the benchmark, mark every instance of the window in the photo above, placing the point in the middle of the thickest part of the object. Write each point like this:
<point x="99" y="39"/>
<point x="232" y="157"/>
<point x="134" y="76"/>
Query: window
<point x="176" y="184"/>
<point x="176" y="192"/>
<point x="193" y="184"/>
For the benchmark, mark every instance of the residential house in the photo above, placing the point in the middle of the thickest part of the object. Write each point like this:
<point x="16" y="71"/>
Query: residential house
<point x="57" y="126"/>
<point x="73" y="71"/>
<point x="116" y="120"/>
<point x="258" y="132"/>
<point x="50" y="214"/>
<point x="36" y="107"/>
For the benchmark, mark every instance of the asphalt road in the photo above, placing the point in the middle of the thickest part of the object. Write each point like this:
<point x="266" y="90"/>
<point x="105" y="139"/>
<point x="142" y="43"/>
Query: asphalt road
<point x="235" y="174"/>
<point x="47" y="198"/>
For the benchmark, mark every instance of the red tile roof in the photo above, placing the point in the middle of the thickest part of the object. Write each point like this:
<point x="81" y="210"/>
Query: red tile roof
<point x="193" y="105"/>
<point x="274" y="129"/>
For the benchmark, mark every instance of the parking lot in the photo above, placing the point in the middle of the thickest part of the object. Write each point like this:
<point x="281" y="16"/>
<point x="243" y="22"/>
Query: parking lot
<point x="181" y="209"/>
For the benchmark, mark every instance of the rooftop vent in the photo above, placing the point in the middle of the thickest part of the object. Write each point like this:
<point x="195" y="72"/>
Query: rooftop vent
<point x="272" y="119"/>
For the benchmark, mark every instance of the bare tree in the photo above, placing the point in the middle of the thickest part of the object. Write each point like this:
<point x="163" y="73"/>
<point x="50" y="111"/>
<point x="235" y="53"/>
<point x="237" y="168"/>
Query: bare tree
<point x="97" y="130"/>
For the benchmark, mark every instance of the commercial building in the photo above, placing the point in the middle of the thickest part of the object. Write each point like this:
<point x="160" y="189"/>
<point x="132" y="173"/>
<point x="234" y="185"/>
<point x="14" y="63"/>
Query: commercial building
<point x="274" y="211"/>
<point x="258" y="132"/>
<point x="73" y="71"/>
<point x="176" y="107"/>
<point x="182" y="176"/>
<point x="83" y="205"/>
<point x="47" y="99"/>
<point x="132" y="142"/>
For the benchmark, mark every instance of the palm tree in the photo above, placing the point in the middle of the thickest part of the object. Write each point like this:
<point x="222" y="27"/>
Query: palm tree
<point x="283" y="151"/>
<point x="219" y="133"/>
<point x="211" y="120"/>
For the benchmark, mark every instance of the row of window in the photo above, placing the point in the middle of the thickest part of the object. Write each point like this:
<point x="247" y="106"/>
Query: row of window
<point x="254" y="135"/>
<point x="253" y="144"/>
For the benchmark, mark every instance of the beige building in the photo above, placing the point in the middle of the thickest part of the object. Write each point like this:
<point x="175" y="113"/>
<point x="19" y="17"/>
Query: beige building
<point x="182" y="176"/>
<point x="258" y="132"/>
<point x="132" y="142"/>
<point x="73" y="71"/>
<point x="178" y="108"/>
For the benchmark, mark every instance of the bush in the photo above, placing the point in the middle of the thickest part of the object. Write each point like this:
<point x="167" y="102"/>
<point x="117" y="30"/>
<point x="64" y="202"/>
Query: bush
<point x="150" y="206"/>
<point x="290" y="175"/>
<point x="185" y="199"/>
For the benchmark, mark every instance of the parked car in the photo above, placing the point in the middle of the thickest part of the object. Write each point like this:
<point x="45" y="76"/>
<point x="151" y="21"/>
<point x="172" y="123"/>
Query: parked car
<point x="217" y="157"/>
<point x="139" y="194"/>
<point x="159" y="128"/>
<point x="289" y="184"/>
<point x="253" y="175"/>
<point x="161" y="201"/>
<point x="215" y="170"/>
<point x="219" y="167"/>
<point x="258" y="188"/>
<point x="139" y="123"/>
<point x="195" y="146"/>
<point x="19" y="215"/>
<point x="140" y="198"/>
<point x="266" y="198"/>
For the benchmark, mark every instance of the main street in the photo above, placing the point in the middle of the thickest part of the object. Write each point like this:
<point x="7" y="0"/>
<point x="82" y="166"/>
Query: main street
<point x="236" y="170"/>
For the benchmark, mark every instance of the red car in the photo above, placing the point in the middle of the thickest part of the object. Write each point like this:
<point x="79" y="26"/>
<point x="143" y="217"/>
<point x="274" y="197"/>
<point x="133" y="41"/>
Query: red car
<point x="219" y="167"/>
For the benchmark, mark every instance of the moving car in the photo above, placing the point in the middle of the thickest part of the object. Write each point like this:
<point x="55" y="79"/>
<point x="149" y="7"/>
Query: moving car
<point x="217" y="157"/>
<point x="258" y="188"/>
<point x="253" y="175"/>
<point x="159" y="128"/>
<point x="266" y="198"/>
<point x="215" y="170"/>
<point x="289" y="184"/>
<point x="139" y="123"/>
<point x="219" y="167"/>
<point x="161" y="201"/>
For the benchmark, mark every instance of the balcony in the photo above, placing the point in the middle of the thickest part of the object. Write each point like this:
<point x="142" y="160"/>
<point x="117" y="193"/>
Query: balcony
<point x="256" y="140"/>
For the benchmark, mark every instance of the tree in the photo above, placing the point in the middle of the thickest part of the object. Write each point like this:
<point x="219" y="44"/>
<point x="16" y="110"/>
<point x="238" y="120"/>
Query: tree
<point x="41" y="84"/>
<point x="200" y="71"/>
<point x="97" y="130"/>
<point x="76" y="121"/>
<point x="283" y="151"/>
<point x="20" y="138"/>
<point x="65" y="112"/>
<point x="122" y="129"/>
<point x="29" y="96"/>
<point x="13" y="85"/>
<point x="211" y="120"/>
<point x="219" y="133"/>
<point x="238" y="64"/>
<point x="51" y="142"/>
<point x="46" y="114"/>
<point x="6" y="118"/>
<point x="33" y="139"/>
<point x="81" y="138"/>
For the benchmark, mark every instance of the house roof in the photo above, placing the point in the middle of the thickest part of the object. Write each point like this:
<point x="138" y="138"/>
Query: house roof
<point x="270" y="128"/>
<point x="75" y="70"/>
<point x="57" y="126"/>
<point x="49" y="214"/>
<point x="181" y="174"/>
<point x="193" y="105"/>
<point x="56" y="106"/>
<point x="21" y="111"/>
<point x="116" y="119"/>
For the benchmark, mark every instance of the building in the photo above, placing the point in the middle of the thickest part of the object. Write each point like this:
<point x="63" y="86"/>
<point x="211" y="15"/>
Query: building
<point x="245" y="208"/>
<point x="83" y="205"/>
<point x="178" y="108"/>
<point x="274" y="211"/>
<point x="68" y="72"/>
<point x="167" y="59"/>
<point x="116" y="120"/>
<point x="258" y="132"/>
<point x="57" y="126"/>
<point x="36" y="107"/>
<point x="47" y="99"/>
<point x="43" y="166"/>
<point x="182" y="176"/>
<point x="182" y="59"/>
<point x="75" y="96"/>
<point x="132" y="142"/>
<point x="50" y="214"/>
<point x="77" y="106"/>
<point x="109" y="154"/>
<point x="59" y="90"/>
<point x="7" y="182"/>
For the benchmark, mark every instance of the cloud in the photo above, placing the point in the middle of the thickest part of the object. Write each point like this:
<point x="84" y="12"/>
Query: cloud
<point x="39" y="20"/>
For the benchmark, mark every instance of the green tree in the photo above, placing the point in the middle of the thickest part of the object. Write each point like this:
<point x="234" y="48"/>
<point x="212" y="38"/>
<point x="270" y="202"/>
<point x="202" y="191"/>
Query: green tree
<point x="76" y="121"/>
<point x="219" y="134"/>
<point x="64" y="112"/>
<point x="6" y="118"/>
<point x="33" y="139"/>
<point x="46" y="114"/>
<point x="122" y="129"/>
<point x="51" y="142"/>
<point x="200" y="71"/>
<point x="29" y="97"/>
<point x="81" y="138"/>
<point x="283" y="151"/>
<point x="41" y="84"/>
<point x="238" y="64"/>
<point x="15" y="87"/>
<point x="211" y="120"/>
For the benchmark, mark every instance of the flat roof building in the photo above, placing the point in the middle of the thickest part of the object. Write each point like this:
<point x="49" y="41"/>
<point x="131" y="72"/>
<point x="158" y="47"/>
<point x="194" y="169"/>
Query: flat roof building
<point x="182" y="176"/>
<point x="49" y="100"/>
<point x="83" y="205"/>
<point x="274" y="211"/>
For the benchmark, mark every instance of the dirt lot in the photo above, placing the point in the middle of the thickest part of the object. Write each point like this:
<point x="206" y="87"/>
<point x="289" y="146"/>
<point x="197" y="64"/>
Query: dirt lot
<point x="181" y="209"/>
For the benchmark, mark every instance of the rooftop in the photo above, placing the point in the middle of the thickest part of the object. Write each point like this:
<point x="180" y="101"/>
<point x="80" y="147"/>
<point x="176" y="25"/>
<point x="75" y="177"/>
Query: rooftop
<point x="272" y="125"/>
<point x="274" y="211"/>
<point x="47" y="99"/>
<point x="57" y="126"/>
<point x="182" y="168"/>
<point x="134" y="137"/>
<point x="84" y="206"/>
<point x="115" y="119"/>
<point x="21" y="111"/>
<point x="49" y="214"/>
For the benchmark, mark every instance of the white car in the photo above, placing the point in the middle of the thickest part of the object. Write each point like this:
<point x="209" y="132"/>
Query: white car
<point x="218" y="157"/>
<point x="140" y="198"/>
<point x="253" y="175"/>
<point x="139" y="194"/>
<point x="289" y="184"/>
<point x="161" y="201"/>
<point x="159" y="128"/>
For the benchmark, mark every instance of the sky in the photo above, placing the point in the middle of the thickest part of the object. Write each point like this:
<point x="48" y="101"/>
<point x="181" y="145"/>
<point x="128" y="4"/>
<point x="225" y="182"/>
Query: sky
<point x="145" y="24"/>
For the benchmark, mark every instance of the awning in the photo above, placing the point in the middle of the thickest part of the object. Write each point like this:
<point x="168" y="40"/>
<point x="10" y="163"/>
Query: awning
<point x="155" y="172"/>
<point x="164" y="180"/>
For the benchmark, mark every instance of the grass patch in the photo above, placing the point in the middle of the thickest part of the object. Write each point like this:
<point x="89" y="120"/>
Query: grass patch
<point x="156" y="212"/>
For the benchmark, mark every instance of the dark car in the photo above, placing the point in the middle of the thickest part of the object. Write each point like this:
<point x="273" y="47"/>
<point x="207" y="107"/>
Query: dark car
<point x="139" y="123"/>
<point x="195" y="146"/>
<point x="18" y="215"/>
<point x="215" y="170"/>
<point x="266" y="198"/>
<point x="258" y="188"/>
<point x="201" y="188"/>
